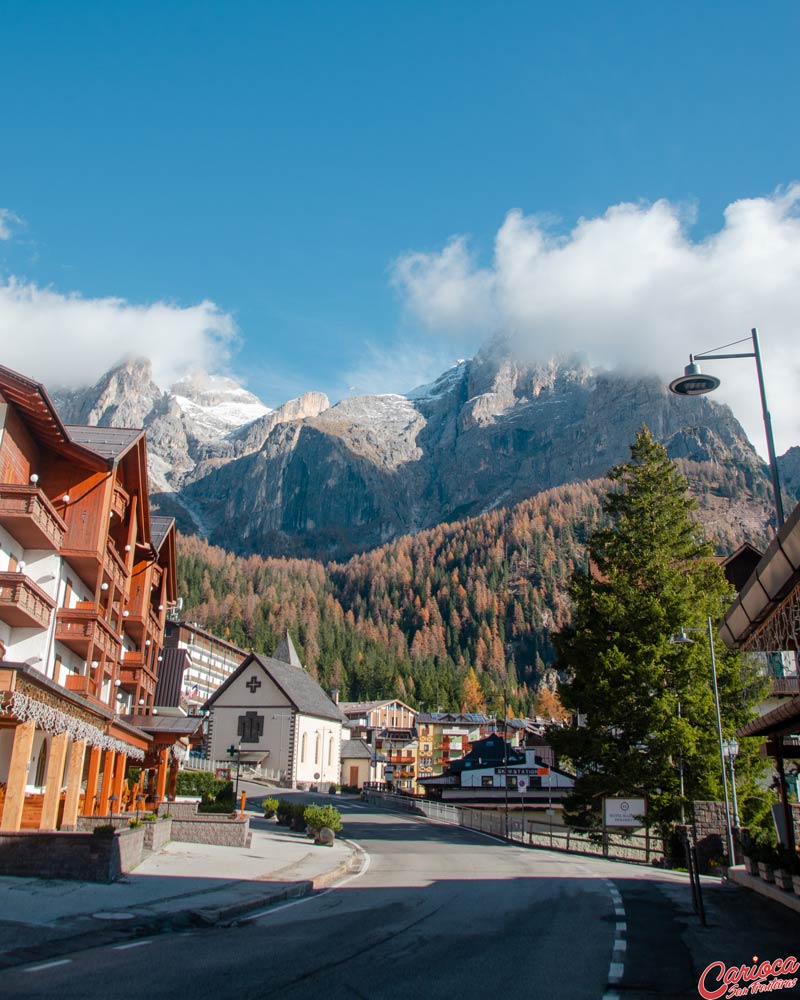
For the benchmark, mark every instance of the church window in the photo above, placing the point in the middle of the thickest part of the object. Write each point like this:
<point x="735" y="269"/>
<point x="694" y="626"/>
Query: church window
<point x="303" y="748"/>
<point x="316" y="750"/>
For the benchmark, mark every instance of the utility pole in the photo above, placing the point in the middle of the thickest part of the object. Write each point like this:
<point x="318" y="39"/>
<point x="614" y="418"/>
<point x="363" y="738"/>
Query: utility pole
<point x="505" y="757"/>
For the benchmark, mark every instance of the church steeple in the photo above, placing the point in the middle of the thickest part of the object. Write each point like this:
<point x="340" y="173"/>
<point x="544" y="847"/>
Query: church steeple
<point x="286" y="652"/>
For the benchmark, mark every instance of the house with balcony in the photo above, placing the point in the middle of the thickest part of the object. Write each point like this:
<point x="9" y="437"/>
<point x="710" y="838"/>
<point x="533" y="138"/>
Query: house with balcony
<point x="86" y="576"/>
<point x="386" y="726"/>
<point x="209" y="661"/>
<point x="444" y="737"/>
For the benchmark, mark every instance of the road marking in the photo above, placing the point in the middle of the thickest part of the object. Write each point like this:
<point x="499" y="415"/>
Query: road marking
<point x="616" y="968"/>
<point x="279" y="907"/>
<point x="47" y="965"/>
<point x="132" y="944"/>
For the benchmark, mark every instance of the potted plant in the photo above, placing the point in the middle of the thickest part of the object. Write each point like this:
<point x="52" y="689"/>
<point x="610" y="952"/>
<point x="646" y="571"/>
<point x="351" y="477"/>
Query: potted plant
<point x="788" y="868"/>
<point x="270" y="807"/>
<point x="322" y="817"/>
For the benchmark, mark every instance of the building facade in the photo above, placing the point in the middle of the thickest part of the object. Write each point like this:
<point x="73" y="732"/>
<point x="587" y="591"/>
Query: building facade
<point x="273" y="711"/>
<point x="86" y="576"/>
<point x="210" y="661"/>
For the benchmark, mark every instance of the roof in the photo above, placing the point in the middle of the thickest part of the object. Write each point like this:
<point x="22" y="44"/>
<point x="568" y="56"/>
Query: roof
<point x="287" y="653"/>
<point x="110" y="443"/>
<point x="169" y="686"/>
<point x="781" y="720"/>
<point x="295" y="682"/>
<point x="355" y="750"/>
<point x="170" y="634"/>
<point x="453" y="718"/>
<point x="739" y="565"/>
<point x="363" y="707"/>
<point x="165" y="725"/>
<point x="775" y="577"/>
<point x="41" y="416"/>
<point x="492" y="751"/>
<point x="159" y="529"/>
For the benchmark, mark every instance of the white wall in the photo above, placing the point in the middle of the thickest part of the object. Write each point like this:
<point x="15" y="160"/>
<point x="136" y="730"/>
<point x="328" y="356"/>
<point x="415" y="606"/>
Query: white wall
<point x="328" y="763"/>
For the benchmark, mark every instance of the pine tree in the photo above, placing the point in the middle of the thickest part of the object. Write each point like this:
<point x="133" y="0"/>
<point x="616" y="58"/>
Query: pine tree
<point x="648" y="704"/>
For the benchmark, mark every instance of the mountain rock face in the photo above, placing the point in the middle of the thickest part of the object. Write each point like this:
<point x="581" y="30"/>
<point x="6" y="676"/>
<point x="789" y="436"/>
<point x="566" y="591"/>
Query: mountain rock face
<point x="327" y="481"/>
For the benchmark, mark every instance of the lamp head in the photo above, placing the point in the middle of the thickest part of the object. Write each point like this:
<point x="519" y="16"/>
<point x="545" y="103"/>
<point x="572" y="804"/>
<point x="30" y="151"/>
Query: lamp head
<point x="681" y="639"/>
<point x="693" y="382"/>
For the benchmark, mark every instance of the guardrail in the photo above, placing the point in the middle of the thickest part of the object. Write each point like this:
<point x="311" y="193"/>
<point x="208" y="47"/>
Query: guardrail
<point x="640" y="848"/>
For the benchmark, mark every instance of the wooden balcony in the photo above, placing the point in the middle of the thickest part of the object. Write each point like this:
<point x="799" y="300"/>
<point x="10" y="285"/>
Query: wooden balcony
<point x="22" y="603"/>
<point x="119" y="501"/>
<point x="27" y="514"/>
<point x="114" y="568"/>
<point x="134" y="673"/>
<point x="86" y="633"/>
<point x="784" y="686"/>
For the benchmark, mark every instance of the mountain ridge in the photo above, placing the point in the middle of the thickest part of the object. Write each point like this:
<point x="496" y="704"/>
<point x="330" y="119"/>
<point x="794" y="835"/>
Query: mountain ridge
<point x="311" y="479"/>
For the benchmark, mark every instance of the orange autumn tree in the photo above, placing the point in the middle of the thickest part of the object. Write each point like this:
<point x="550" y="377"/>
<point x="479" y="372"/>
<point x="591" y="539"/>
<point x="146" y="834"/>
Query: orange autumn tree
<point x="472" y="697"/>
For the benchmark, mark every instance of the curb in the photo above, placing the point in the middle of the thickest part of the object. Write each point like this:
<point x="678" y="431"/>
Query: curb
<point x="99" y="935"/>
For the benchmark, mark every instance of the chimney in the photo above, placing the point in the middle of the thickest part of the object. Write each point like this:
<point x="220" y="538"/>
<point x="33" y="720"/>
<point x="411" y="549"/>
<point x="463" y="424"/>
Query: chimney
<point x="335" y="695"/>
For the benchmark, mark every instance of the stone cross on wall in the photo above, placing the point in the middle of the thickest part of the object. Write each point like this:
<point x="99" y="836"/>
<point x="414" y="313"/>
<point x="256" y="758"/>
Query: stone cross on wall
<point x="253" y="685"/>
<point x="251" y="727"/>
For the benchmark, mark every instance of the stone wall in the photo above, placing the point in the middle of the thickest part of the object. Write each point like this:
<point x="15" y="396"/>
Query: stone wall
<point x="179" y="810"/>
<point x="81" y="856"/>
<point x="157" y="834"/>
<point x="212" y="829"/>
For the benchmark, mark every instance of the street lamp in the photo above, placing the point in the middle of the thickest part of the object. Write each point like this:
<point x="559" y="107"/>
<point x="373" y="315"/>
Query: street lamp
<point x="731" y="749"/>
<point x="682" y="639"/>
<point x="694" y="382"/>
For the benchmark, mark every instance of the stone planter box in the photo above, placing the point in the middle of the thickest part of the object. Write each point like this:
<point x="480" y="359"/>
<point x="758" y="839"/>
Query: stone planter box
<point x="208" y="828"/>
<point x="796" y="884"/>
<point x="766" y="872"/>
<point x="750" y="866"/>
<point x="783" y="879"/>
<point x="80" y="856"/>
<point x="157" y="834"/>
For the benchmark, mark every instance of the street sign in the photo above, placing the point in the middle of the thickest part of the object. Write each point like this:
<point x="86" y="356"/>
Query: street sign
<point x="624" y="812"/>
<point x="522" y="784"/>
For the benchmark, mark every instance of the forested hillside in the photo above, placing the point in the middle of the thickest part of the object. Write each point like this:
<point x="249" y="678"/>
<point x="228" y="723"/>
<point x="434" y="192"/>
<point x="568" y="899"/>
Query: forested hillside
<point x="413" y="617"/>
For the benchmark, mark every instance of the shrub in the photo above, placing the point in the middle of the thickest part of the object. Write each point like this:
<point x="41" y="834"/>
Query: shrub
<point x="224" y="806"/>
<point x="270" y="807"/>
<point x="318" y="816"/>
<point x="134" y="824"/>
<point x="149" y="818"/>
<point x="298" y="819"/>
<point x="283" y="812"/>
<point x="204" y="784"/>
<point x="104" y="830"/>
<point x="333" y="790"/>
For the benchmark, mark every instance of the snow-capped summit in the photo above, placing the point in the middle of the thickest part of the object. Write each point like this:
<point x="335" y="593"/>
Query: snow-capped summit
<point x="215" y="404"/>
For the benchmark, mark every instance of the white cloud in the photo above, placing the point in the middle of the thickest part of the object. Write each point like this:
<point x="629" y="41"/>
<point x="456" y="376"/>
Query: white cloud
<point x="398" y="368"/>
<point x="632" y="288"/>
<point x="7" y="218"/>
<point x="69" y="340"/>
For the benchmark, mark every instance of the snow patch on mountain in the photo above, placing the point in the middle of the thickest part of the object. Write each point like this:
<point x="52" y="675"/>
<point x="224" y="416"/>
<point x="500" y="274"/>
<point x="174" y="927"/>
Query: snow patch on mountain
<point x="216" y="405"/>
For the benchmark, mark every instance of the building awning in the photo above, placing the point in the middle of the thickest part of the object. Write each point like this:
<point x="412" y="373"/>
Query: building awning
<point x="783" y="720"/>
<point x="760" y="603"/>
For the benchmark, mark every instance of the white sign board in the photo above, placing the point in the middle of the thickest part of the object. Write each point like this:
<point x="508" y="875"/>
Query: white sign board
<point x="522" y="784"/>
<point x="624" y="812"/>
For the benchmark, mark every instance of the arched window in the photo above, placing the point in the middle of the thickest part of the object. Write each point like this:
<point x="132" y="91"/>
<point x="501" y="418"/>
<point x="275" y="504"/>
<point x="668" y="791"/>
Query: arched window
<point x="330" y="752"/>
<point x="303" y="748"/>
<point x="316" y="750"/>
<point x="41" y="765"/>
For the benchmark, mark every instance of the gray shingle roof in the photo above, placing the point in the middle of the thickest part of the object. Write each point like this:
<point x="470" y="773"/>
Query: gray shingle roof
<point x="355" y="750"/>
<point x="108" y="442"/>
<point x="295" y="682"/>
<point x="287" y="653"/>
<point x="159" y="527"/>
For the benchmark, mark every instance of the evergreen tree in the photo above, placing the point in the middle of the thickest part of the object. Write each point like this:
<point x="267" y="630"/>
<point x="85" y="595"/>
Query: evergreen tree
<point x="648" y="704"/>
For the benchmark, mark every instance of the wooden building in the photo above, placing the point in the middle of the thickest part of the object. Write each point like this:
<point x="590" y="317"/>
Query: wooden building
<point x="86" y="576"/>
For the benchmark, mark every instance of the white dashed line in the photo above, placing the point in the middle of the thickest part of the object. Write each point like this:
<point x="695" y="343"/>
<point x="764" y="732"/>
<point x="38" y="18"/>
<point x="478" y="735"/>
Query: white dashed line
<point x="616" y="968"/>
<point x="47" y="965"/>
<point x="131" y="944"/>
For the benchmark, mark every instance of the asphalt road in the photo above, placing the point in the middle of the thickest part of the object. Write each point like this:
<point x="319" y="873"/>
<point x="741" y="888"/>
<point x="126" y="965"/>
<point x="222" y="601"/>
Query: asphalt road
<point x="442" y="912"/>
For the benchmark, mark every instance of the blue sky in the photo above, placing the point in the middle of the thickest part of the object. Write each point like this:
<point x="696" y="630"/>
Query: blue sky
<point x="317" y="195"/>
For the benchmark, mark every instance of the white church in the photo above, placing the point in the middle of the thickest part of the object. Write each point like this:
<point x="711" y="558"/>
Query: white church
<point x="274" y="712"/>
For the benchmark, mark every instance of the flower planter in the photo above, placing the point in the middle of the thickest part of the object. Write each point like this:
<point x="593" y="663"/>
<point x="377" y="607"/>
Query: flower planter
<point x="750" y="865"/>
<point x="766" y="872"/>
<point x="783" y="879"/>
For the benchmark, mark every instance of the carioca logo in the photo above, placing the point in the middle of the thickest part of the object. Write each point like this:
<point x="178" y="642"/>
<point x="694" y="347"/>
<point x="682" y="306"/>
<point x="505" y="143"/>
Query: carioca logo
<point x="746" y="980"/>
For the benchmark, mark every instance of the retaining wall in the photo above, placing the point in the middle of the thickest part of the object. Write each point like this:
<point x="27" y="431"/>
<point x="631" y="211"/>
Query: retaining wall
<point x="212" y="829"/>
<point x="81" y="856"/>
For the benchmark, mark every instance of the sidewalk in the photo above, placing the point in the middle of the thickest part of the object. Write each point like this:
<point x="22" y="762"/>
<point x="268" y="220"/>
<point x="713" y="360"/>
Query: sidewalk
<point x="182" y="885"/>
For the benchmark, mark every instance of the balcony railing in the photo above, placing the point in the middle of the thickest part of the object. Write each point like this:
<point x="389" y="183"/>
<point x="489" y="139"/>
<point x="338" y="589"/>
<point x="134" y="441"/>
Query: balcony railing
<point x="22" y="603"/>
<point x="85" y="632"/>
<point x="114" y="567"/>
<point x="27" y="514"/>
<point x="119" y="501"/>
<point x="784" y="686"/>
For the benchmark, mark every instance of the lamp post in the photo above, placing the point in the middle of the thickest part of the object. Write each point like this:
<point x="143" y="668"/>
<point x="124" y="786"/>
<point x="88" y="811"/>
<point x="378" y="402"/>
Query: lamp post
<point x="682" y="639"/>
<point x="694" y="383"/>
<point x="731" y="749"/>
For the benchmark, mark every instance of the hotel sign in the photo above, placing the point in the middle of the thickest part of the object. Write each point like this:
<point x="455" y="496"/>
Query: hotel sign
<point x="624" y="812"/>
